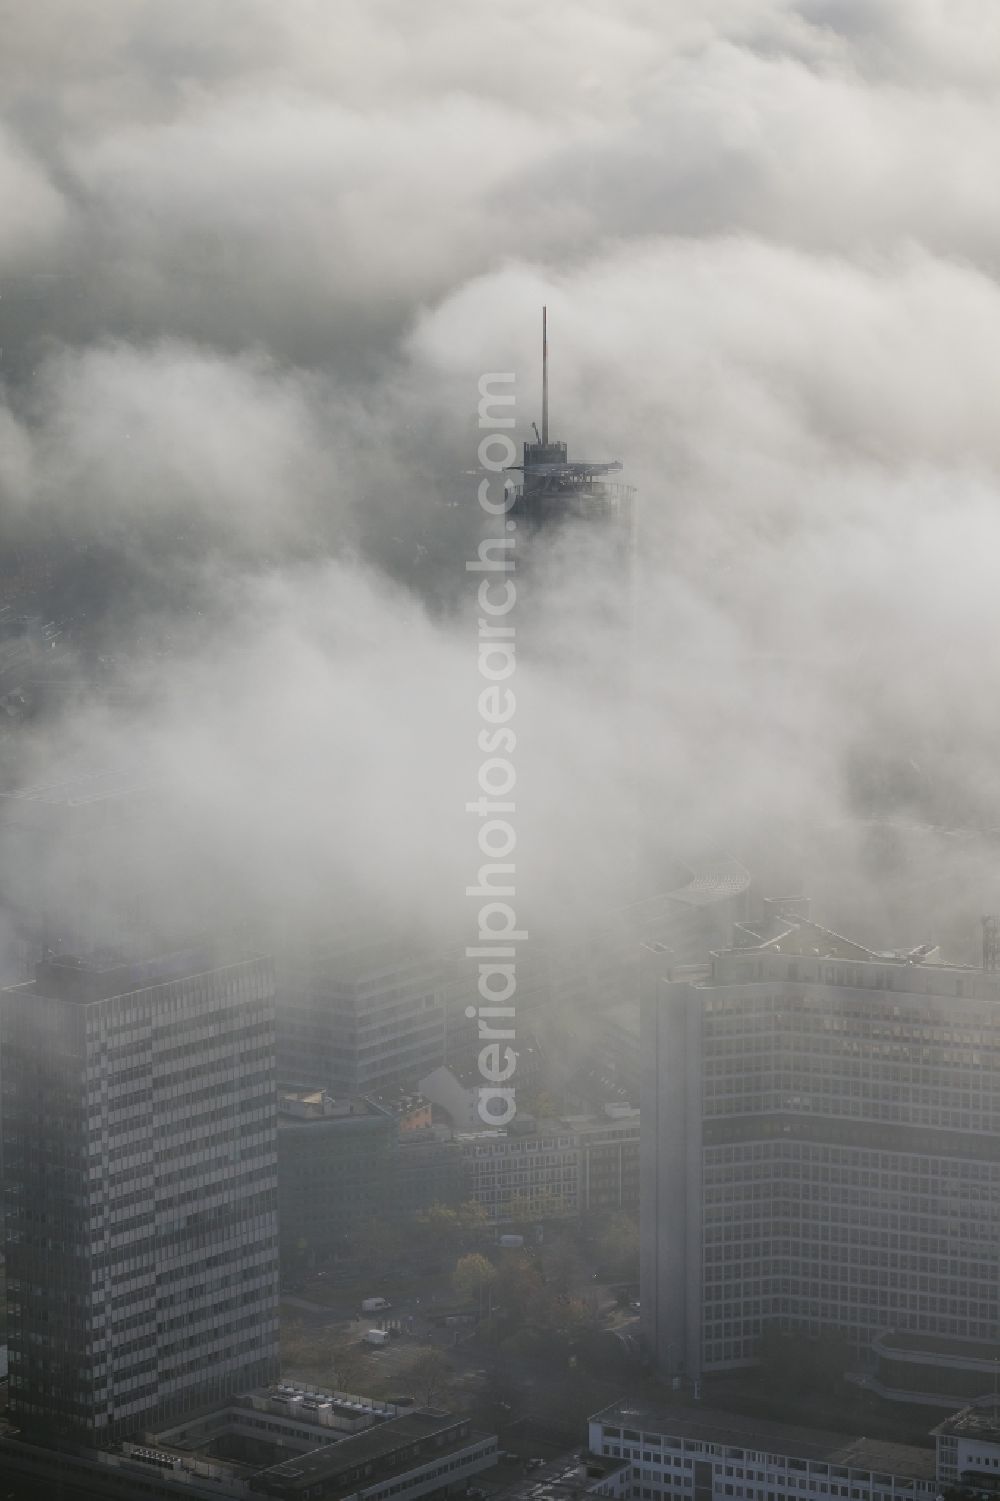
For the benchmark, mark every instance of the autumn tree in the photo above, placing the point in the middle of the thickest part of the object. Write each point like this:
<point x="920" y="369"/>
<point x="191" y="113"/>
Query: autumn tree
<point x="446" y="1229"/>
<point x="472" y="1276"/>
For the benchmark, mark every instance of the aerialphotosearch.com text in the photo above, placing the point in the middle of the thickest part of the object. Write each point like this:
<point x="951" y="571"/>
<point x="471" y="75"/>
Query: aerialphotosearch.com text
<point x="498" y="934"/>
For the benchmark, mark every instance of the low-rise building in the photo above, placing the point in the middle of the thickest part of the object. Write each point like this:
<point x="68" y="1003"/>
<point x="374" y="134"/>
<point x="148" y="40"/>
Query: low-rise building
<point x="968" y="1449"/>
<point x="345" y="1164"/>
<point x="558" y="1168"/>
<point x="427" y="1169"/>
<point x="284" y="1441"/>
<point x="571" y="1478"/>
<point x="335" y="1169"/>
<point x="417" y="1454"/>
<point x="697" y="1454"/>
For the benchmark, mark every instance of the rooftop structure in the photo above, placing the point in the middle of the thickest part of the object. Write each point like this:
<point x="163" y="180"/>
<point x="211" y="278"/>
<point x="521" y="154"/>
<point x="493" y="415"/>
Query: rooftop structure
<point x="555" y="489"/>
<point x="284" y="1441"/>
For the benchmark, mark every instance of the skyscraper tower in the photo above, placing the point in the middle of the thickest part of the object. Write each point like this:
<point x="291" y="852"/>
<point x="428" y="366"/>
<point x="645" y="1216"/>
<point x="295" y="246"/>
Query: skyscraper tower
<point x="556" y="490"/>
<point x="140" y="1190"/>
<point x="820" y="1155"/>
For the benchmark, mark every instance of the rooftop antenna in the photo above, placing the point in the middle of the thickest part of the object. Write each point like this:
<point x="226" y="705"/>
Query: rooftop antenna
<point x="545" y="376"/>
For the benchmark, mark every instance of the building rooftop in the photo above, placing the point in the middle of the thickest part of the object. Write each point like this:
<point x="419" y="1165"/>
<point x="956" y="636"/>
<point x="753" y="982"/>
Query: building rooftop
<point x="982" y="1423"/>
<point x="77" y="802"/>
<point x="353" y="958"/>
<point x="399" y="1101"/>
<point x="299" y="1107"/>
<point x="977" y="1352"/>
<point x="564" y="1479"/>
<point x="73" y="790"/>
<point x="68" y="978"/>
<point x="760" y="1435"/>
<point x="713" y="879"/>
<point x="376" y="1451"/>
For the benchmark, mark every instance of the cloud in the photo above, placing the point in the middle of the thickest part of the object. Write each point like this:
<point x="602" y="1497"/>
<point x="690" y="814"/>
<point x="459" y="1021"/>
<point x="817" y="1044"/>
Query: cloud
<point x="281" y="245"/>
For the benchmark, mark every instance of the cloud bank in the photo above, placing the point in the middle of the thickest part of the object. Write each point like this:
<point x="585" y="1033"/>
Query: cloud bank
<point x="254" y="263"/>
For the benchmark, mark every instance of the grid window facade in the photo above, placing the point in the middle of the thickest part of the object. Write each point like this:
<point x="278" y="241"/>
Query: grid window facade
<point x="140" y="1198"/>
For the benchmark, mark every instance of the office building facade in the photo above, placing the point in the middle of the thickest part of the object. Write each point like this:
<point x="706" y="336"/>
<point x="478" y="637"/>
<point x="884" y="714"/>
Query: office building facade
<point x="140" y="1189"/>
<point x="554" y="1169"/>
<point x="697" y="1454"/>
<point x="821" y="1129"/>
<point x="358" y="1015"/>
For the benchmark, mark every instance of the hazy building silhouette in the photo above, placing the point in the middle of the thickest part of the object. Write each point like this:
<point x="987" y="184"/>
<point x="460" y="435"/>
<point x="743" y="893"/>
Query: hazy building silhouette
<point x="140" y="1189"/>
<point x="359" y="1013"/>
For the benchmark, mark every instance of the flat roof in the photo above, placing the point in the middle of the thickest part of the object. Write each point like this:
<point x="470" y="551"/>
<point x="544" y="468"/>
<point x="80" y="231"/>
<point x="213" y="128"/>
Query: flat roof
<point x="733" y="1430"/>
<point x="905" y="1343"/>
<point x="69" y="979"/>
<point x="975" y="1422"/>
<point x="566" y="1476"/>
<point x="374" y="1445"/>
<point x="712" y="880"/>
<point x="78" y="788"/>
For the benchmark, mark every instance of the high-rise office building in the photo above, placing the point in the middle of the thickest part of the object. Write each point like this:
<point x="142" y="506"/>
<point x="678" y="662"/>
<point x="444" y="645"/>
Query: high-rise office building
<point x="76" y="877"/>
<point x="359" y="1013"/>
<point x="821" y="1153"/>
<point x="75" y="873"/>
<point x="556" y="490"/>
<point x="140" y="1189"/>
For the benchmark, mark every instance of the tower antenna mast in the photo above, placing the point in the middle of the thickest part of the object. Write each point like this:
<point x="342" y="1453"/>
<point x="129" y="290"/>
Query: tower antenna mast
<point x="545" y="376"/>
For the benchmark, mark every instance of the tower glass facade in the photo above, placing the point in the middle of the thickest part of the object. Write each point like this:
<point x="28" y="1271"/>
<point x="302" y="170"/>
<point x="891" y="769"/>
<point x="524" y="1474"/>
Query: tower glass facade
<point x="140" y="1190"/>
<point x="823" y="1152"/>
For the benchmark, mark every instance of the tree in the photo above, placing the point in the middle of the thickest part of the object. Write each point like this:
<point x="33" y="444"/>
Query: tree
<point x="565" y="1317"/>
<point x="542" y="1105"/>
<point x="428" y="1375"/>
<point x="472" y="1219"/>
<point x="352" y="1371"/>
<point x="472" y="1275"/>
<point x="518" y="1281"/>
<point x="446" y="1229"/>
